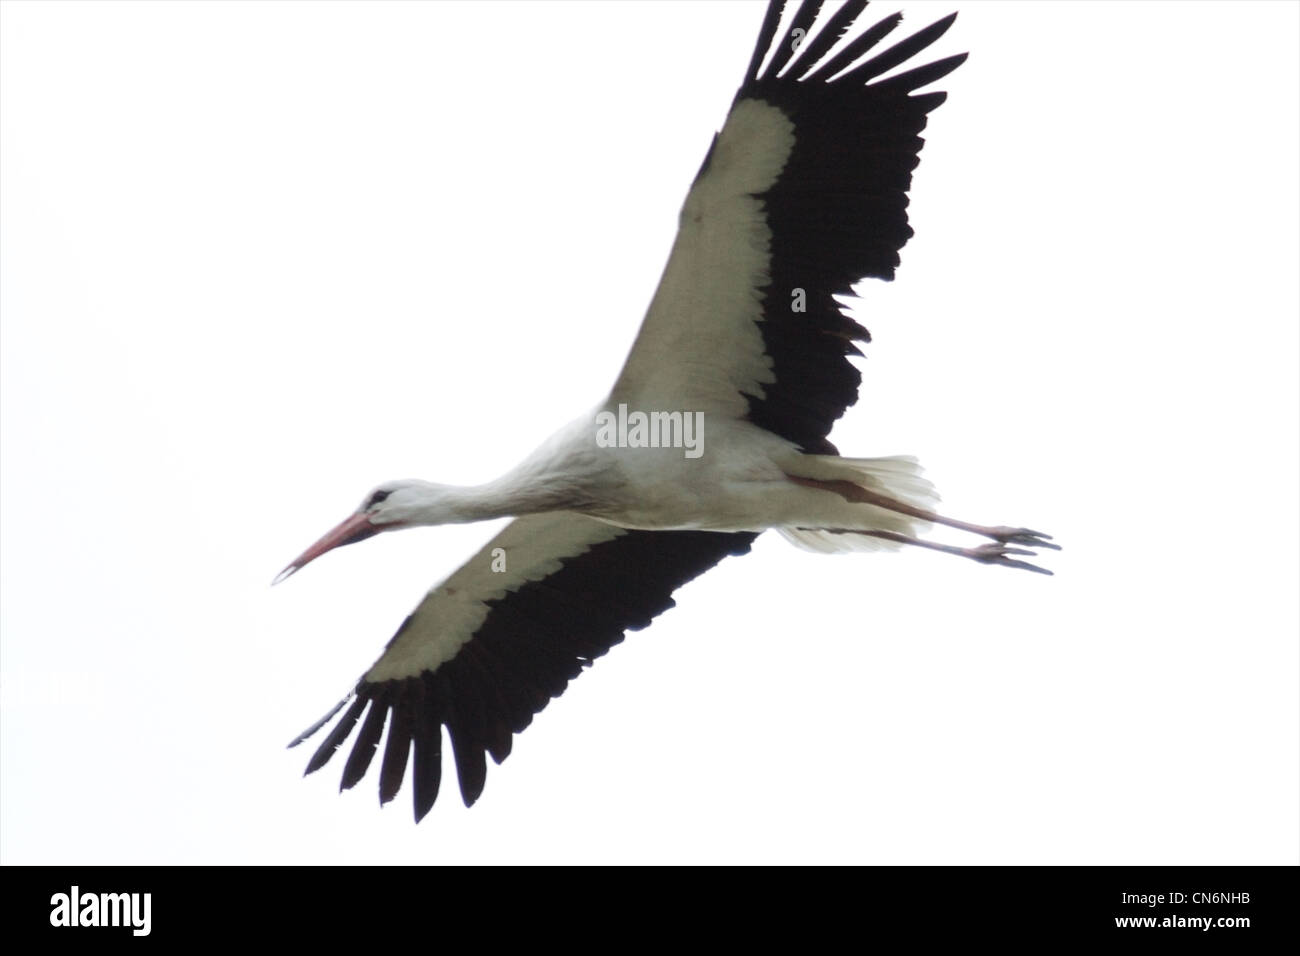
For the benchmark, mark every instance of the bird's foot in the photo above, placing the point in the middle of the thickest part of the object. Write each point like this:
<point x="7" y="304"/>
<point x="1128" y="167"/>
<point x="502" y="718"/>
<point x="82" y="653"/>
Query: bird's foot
<point x="1000" y="553"/>
<point x="1033" y="539"/>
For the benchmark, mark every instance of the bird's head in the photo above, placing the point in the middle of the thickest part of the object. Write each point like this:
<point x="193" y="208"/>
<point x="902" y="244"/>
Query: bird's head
<point x="392" y="505"/>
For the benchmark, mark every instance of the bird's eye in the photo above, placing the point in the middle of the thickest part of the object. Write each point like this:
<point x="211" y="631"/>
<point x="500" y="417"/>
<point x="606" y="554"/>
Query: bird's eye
<point x="377" y="497"/>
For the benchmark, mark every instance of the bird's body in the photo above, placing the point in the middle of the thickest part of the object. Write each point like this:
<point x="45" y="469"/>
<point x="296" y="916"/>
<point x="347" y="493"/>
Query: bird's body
<point x="714" y="431"/>
<point x="740" y="482"/>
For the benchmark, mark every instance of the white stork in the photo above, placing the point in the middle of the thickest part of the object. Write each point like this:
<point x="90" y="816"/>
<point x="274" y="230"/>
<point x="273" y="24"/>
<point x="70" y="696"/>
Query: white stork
<point x="714" y="431"/>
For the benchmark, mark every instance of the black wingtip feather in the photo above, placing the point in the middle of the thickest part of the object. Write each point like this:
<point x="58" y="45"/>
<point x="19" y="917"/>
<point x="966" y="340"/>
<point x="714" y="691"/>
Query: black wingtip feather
<point x="336" y="736"/>
<point x="471" y="764"/>
<point x="467" y="728"/>
<point x="922" y="75"/>
<point x="396" y="751"/>
<point x="363" y="749"/>
<point x="771" y="20"/>
<point x="315" y="728"/>
<point x="428" y="750"/>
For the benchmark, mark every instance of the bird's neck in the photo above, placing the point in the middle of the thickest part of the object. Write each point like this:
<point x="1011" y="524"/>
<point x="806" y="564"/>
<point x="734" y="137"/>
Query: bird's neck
<point x="564" y="474"/>
<point x="508" y="496"/>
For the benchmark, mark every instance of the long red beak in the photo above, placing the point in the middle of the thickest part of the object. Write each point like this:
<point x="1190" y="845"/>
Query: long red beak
<point x="355" y="528"/>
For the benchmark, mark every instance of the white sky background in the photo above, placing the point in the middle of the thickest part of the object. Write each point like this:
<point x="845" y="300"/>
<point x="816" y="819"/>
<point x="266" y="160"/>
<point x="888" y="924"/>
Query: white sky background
<point x="257" y="258"/>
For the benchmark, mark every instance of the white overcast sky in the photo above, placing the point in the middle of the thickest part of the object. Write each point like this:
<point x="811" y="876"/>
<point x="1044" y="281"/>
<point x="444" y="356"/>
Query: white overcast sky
<point x="257" y="258"/>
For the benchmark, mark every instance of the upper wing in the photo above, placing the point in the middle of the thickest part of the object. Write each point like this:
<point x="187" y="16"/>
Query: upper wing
<point x="803" y="193"/>
<point x="487" y="649"/>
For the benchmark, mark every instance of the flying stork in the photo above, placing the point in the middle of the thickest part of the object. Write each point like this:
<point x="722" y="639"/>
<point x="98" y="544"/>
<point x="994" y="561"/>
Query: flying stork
<point x="742" y="363"/>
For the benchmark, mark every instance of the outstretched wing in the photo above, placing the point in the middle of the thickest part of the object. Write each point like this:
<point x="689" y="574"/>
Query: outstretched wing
<point x="803" y="193"/>
<point x="490" y="646"/>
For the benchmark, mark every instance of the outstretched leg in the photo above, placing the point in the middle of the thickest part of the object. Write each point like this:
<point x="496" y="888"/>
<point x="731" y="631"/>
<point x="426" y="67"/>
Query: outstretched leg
<point x="993" y="553"/>
<point x="1001" y="534"/>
